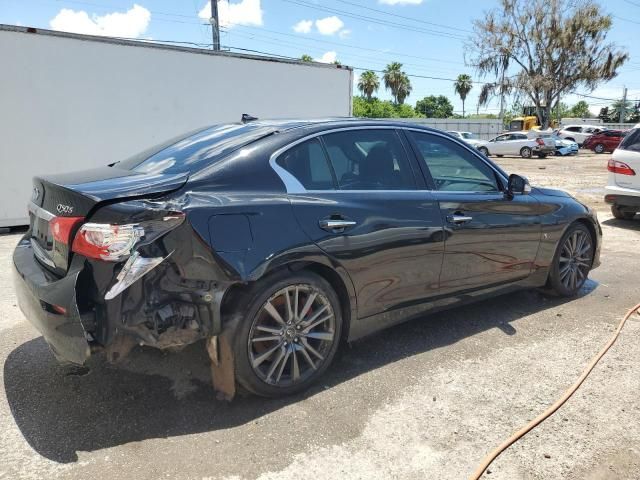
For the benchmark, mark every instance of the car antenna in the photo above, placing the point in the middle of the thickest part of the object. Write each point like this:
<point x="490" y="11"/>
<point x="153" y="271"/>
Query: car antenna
<point x="246" y="118"/>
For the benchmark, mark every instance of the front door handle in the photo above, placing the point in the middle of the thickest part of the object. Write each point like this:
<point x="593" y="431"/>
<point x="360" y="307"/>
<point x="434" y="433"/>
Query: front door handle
<point x="333" y="225"/>
<point x="458" y="219"/>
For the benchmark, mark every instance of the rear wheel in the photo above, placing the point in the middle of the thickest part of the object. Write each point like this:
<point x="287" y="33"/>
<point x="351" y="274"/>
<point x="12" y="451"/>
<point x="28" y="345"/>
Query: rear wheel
<point x="621" y="214"/>
<point x="599" y="148"/>
<point x="572" y="261"/>
<point x="526" y="152"/>
<point x="484" y="151"/>
<point x="289" y="335"/>
<point x="542" y="155"/>
<point x="500" y="156"/>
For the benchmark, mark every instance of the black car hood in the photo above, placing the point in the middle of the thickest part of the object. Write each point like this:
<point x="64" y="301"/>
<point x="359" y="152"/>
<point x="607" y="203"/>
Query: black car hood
<point x="550" y="192"/>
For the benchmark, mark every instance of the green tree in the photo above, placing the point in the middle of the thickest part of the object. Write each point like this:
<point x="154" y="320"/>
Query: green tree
<point x="368" y="83"/>
<point x="580" y="110"/>
<point x="462" y="87"/>
<point x="404" y="90"/>
<point x="435" y="107"/>
<point x="396" y="80"/>
<point x="376" y="108"/>
<point x="561" y="110"/>
<point x="620" y="109"/>
<point x="548" y="47"/>
<point x="306" y="58"/>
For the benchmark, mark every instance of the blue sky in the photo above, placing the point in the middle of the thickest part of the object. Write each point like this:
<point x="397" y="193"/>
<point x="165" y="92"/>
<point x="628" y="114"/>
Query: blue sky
<point x="427" y="36"/>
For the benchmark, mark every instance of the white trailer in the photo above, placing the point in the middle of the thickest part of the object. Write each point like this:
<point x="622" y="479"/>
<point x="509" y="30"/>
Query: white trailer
<point x="69" y="102"/>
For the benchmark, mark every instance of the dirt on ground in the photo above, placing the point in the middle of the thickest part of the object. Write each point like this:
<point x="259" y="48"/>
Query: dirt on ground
<point x="426" y="399"/>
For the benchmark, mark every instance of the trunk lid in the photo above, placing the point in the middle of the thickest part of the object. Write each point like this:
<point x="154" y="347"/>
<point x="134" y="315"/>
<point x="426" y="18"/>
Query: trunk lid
<point x="67" y="200"/>
<point x="628" y="152"/>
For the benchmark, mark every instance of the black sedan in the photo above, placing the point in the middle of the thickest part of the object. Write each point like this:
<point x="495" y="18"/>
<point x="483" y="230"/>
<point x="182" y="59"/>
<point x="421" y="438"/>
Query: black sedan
<point x="275" y="241"/>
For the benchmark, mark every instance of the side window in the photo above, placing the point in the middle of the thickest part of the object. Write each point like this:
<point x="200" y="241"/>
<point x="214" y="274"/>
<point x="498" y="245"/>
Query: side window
<point x="520" y="136"/>
<point x="369" y="160"/>
<point x="308" y="164"/>
<point x="573" y="129"/>
<point x="453" y="168"/>
<point x="631" y="141"/>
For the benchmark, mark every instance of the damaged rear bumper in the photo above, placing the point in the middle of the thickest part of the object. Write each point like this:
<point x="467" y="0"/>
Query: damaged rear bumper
<point x="49" y="303"/>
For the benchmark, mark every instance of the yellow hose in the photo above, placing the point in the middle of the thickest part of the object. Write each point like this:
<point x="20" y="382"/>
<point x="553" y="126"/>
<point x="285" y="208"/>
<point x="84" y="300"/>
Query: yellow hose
<point x="552" y="409"/>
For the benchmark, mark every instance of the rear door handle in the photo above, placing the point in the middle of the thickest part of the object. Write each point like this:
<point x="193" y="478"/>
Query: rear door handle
<point x="332" y="225"/>
<point x="458" y="219"/>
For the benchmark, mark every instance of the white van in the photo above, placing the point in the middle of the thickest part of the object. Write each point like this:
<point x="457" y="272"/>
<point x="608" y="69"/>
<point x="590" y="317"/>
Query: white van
<point x="623" y="185"/>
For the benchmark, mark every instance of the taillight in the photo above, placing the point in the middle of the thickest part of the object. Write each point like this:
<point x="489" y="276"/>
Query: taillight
<point x="115" y="243"/>
<point x="61" y="228"/>
<point x="539" y="141"/>
<point x="620" y="167"/>
<point x="104" y="241"/>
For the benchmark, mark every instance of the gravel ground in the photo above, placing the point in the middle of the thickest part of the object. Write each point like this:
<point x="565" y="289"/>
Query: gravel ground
<point x="427" y="399"/>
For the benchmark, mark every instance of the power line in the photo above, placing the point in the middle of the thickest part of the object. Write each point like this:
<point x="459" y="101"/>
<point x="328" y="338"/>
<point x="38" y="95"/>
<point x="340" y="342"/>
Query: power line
<point x="378" y="21"/>
<point x="404" y="17"/>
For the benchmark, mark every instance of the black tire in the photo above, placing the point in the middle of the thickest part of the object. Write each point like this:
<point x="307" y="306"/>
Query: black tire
<point x="560" y="281"/>
<point x="622" y="214"/>
<point x="570" y="138"/>
<point x="542" y="155"/>
<point x="499" y="156"/>
<point x="599" y="148"/>
<point x="526" y="152"/>
<point x="250" y="377"/>
<point x="484" y="151"/>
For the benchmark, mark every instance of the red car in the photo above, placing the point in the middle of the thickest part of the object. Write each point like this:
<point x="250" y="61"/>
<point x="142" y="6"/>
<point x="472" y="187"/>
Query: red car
<point x="606" y="141"/>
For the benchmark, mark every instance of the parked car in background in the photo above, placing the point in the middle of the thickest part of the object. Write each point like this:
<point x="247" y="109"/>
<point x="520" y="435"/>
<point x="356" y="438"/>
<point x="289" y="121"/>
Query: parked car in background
<point x="469" y="138"/>
<point x="564" y="147"/>
<point x="275" y="241"/>
<point x="519" y="143"/>
<point x="606" y="141"/>
<point x="579" y="133"/>
<point x="623" y="185"/>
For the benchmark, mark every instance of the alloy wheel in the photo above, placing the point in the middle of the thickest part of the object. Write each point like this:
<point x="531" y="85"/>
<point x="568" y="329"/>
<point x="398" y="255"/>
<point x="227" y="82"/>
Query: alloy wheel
<point x="291" y="335"/>
<point x="575" y="260"/>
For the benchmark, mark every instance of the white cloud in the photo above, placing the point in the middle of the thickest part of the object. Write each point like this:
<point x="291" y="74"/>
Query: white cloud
<point x="400" y="2"/>
<point x="131" y="24"/>
<point x="329" y="25"/>
<point x="328" y="57"/>
<point x="303" y="26"/>
<point x="346" y="33"/>
<point x="245" y="12"/>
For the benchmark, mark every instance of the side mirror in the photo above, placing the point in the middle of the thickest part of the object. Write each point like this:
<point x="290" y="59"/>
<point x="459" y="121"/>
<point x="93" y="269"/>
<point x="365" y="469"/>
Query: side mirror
<point x="518" y="185"/>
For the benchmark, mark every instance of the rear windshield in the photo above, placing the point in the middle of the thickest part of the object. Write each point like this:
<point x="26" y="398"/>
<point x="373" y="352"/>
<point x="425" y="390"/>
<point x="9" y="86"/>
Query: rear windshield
<point x="631" y="141"/>
<point x="195" y="150"/>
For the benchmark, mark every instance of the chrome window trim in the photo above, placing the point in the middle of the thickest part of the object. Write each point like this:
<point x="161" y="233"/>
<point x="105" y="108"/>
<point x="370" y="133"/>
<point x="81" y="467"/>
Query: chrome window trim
<point x="40" y="255"/>
<point x="293" y="185"/>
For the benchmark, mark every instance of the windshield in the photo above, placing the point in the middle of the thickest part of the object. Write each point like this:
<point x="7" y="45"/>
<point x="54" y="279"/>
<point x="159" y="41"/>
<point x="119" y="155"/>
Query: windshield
<point x="468" y="136"/>
<point x="193" y="151"/>
<point x="631" y="141"/>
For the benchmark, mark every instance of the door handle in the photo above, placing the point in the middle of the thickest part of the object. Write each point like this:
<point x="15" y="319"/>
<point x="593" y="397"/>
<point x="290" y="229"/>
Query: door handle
<point x="331" y="224"/>
<point x="458" y="219"/>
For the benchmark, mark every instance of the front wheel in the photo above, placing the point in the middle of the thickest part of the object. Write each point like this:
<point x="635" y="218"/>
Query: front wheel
<point x="572" y="261"/>
<point x="289" y="334"/>
<point x="526" y="152"/>
<point x="484" y="151"/>
<point x="599" y="148"/>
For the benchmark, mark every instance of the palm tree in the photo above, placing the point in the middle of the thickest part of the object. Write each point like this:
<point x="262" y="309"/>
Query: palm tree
<point x="394" y="78"/>
<point x="368" y="83"/>
<point x="618" y="107"/>
<point x="306" y="58"/>
<point x="404" y="89"/>
<point x="463" y="86"/>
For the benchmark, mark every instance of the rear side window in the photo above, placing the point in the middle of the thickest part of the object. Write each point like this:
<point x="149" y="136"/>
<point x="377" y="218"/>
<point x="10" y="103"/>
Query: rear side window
<point x="573" y="129"/>
<point x="631" y="141"/>
<point x="308" y="163"/>
<point x="452" y="167"/>
<point x="369" y="160"/>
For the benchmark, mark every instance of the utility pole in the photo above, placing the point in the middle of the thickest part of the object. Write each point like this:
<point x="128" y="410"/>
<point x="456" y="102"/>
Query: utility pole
<point x="215" y="24"/>
<point x="623" y="108"/>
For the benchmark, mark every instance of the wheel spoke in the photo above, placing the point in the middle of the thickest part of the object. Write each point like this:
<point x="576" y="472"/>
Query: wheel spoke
<point x="276" y="362"/>
<point x="295" y="303"/>
<point x="257" y="361"/>
<point x="290" y="314"/>
<point x="295" y="370"/>
<point x="324" y="336"/>
<point x="307" y="305"/>
<point x="262" y="328"/>
<point x="311" y="349"/>
<point x="271" y="310"/>
<point x="283" y="364"/>
<point x="564" y="259"/>
<point x="317" y="322"/>
<point x="266" y="339"/>
<point x="315" y="315"/>
<point x="306" y="356"/>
